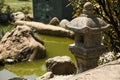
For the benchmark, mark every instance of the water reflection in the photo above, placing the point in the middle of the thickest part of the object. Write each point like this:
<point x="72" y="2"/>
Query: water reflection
<point x="6" y="75"/>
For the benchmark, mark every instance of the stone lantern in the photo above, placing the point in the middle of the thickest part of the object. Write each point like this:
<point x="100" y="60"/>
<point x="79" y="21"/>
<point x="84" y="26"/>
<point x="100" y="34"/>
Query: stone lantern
<point x="87" y="47"/>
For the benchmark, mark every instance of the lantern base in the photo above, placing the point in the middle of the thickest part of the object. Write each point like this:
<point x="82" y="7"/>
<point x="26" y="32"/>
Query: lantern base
<point x="87" y="58"/>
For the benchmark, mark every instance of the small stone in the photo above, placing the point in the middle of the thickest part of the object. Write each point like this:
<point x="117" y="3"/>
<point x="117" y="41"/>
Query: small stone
<point x="54" y="21"/>
<point x="9" y="60"/>
<point x="60" y="65"/>
<point x="46" y="76"/>
<point x="63" y="23"/>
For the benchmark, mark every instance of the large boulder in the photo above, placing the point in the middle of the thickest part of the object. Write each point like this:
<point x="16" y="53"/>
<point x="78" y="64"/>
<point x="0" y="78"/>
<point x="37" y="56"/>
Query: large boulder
<point x="60" y="65"/>
<point x="21" y="45"/>
<point x="51" y="76"/>
<point x="109" y="71"/>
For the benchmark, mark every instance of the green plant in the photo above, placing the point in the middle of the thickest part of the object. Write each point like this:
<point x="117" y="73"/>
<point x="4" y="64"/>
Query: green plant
<point x="108" y="10"/>
<point x="5" y="12"/>
<point x="1" y="33"/>
<point x="108" y="57"/>
<point x="4" y="29"/>
<point x="25" y="9"/>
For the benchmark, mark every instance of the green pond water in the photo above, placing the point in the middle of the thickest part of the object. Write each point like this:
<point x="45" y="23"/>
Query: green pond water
<point x="55" y="46"/>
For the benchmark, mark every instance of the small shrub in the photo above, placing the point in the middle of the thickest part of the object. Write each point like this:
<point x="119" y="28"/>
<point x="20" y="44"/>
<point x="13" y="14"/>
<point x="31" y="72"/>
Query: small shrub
<point x="5" y="12"/>
<point x="24" y="9"/>
<point x="4" y="29"/>
<point x="108" y="57"/>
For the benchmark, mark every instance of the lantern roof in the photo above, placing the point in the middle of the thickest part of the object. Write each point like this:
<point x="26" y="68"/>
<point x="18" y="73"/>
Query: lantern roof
<point x="87" y="21"/>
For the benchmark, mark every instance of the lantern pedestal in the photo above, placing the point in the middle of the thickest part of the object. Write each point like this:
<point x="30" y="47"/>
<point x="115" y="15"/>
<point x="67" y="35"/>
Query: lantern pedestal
<point x="87" y="58"/>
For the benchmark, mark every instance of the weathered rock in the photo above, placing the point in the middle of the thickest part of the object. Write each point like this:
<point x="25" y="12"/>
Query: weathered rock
<point x="110" y="71"/>
<point x="63" y="23"/>
<point x="46" y="76"/>
<point x="18" y="16"/>
<point x="54" y="21"/>
<point x="61" y="65"/>
<point x="47" y="29"/>
<point x="21" y="45"/>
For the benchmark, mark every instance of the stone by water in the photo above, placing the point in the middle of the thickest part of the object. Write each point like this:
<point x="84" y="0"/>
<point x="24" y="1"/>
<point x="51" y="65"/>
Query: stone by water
<point x="55" y="46"/>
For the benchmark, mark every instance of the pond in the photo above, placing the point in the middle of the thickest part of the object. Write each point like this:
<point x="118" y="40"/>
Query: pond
<point x="55" y="46"/>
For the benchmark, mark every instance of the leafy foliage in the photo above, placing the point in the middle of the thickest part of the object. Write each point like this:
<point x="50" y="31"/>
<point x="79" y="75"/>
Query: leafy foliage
<point x="24" y="9"/>
<point x="108" y="57"/>
<point x="5" y="12"/>
<point x="109" y="10"/>
<point x="4" y="29"/>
